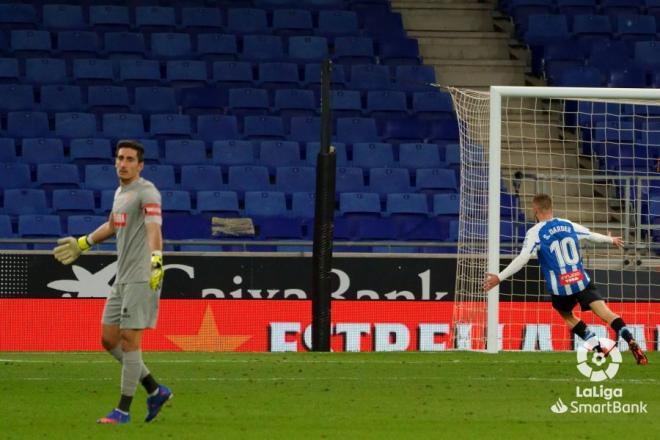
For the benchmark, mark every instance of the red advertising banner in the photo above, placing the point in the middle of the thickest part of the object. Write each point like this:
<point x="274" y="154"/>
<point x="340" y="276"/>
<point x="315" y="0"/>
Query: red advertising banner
<point x="284" y="325"/>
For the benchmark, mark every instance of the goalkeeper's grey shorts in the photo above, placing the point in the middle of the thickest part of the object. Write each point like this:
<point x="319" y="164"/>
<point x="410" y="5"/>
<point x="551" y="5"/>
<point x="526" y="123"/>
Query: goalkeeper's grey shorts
<point x="131" y="306"/>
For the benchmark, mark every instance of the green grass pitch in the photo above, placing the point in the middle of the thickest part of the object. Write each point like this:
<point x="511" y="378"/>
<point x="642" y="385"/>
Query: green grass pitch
<point x="453" y="395"/>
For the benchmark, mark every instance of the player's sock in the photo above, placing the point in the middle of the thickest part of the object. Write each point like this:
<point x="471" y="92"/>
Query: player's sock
<point x="148" y="382"/>
<point x="621" y="330"/>
<point x="587" y="335"/>
<point x="130" y="376"/>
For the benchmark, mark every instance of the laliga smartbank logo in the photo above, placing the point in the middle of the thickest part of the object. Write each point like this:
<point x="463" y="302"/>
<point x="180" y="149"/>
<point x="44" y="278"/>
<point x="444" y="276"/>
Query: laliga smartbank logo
<point x="599" y="367"/>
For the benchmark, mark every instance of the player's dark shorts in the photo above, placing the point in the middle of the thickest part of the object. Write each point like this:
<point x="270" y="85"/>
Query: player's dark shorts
<point x="584" y="297"/>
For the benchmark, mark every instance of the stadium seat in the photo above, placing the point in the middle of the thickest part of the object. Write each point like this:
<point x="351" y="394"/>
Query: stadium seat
<point x="373" y="155"/>
<point x="224" y="203"/>
<point x="161" y="175"/>
<point x="174" y="201"/>
<point x="232" y="152"/>
<point x="8" y="150"/>
<point x="349" y="179"/>
<point x="305" y="129"/>
<point x="9" y="70"/>
<point x="6" y="230"/>
<point x="370" y="77"/>
<point x="107" y="199"/>
<point x="197" y="101"/>
<point x="75" y="125"/>
<point x="139" y="72"/>
<point x="77" y="44"/>
<point x="264" y="127"/>
<point x="73" y="201"/>
<point x="45" y="71"/>
<point x="169" y="45"/>
<point x="217" y="47"/>
<point x="443" y="130"/>
<point x="560" y="56"/>
<point x="346" y="103"/>
<point x="278" y="75"/>
<point x="61" y="99"/>
<point x="627" y="77"/>
<point x="521" y="10"/>
<point x="399" y="52"/>
<point x="16" y="97"/>
<point x="100" y="177"/>
<point x="337" y="23"/>
<point x="406" y="204"/>
<point x="389" y="180"/>
<point x="185" y="73"/>
<point x="262" y="48"/>
<point x="63" y="17"/>
<point x="605" y="57"/>
<point x="647" y="54"/>
<point x="354" y="50"/>
<point x="436" y="180"/>
<point x="27" y="124"/>
<point x="268" y="210"/>
<point x="24" y="42"/>
<point x="351" y="130"/>
<point x="248" y="101"/>
<point x="359" y="203"/>
<point x="198" y="19"/>
<point x="93" y="71"/>
<point x="417" y="155"/>
<point x="124" y="45"/>
<point x="57" y="175"/>
<point x="616" y="8"/>
<point x="108" y="99"/>
<point x="155" y="18"/>
<point x="303" y="205"/>
<point x="405" y="130"/>
<point x="214" y="127"/>
<point x="432" y="105"/>
<point x="90" y="150"/>
<point x="386" y="104"/>
<point x="247" y="21"/>
<point x="201" y="177"/>
<point x="149" y="100"/>
<point x="170" y="126"/>
<point x="291" y="179"/>
<point x="589" y="28"/>
<point x="78" y="225"/>
<point x="14" y="175"/>
<point x="580" y="77"/>
<point x="414" y="78"/>
<point x="17" y="15"/>
<point x="307" y="49"/>
<point x="446" y="205"/>
<point x="292" y="22"/>
<point x="40" y="150"/>
<point x="636" y="27"/>
<point x="312" y="151"/>
<point x="30" y="225"/>
<point x="279" y="153"/>
<point x="573" y="8"/>
<point x="123" y="126"/>
<point x="295" y="102"/>
<point x="108" y="18"/>
<point x="25" y="201"/>
<point x="544" y="28"/>
<point x="185" y="152"/>
<point x="248" y="178"/>
<point x="233" y="74"/>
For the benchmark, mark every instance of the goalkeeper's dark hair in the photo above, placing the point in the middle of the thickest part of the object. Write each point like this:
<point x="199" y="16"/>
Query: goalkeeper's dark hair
<point x="133" y="145"/>
<point x="543" y="201"/>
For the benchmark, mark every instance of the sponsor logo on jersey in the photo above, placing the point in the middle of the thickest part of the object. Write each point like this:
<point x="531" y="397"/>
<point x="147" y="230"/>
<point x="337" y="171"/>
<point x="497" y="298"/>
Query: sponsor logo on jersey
<point x="119" y="219"/>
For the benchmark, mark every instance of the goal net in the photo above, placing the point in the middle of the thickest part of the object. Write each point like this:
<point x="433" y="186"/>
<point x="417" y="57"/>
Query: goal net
<point x="596" y="153"/>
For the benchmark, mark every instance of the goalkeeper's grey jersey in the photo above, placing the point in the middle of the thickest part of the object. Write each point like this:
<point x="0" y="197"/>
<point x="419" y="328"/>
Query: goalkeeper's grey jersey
<point x="133" y="206"/>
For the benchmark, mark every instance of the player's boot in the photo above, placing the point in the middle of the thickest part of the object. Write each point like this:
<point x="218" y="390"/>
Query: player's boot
<point x="155" y="403"/>
<point x="637" y="352"/>
<point x="115" y="417"/>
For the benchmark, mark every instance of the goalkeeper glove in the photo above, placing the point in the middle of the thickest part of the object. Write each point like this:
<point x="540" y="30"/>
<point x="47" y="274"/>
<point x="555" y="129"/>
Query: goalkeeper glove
<point x="157" y="271"/>
<point x="69" y="248"/>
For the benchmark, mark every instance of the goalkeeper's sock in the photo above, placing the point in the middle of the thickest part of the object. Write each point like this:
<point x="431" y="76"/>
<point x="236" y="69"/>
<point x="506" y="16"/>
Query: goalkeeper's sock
<point x="587" y="335"/>
<point x="621" y="330"/>
<point x="147" y="380"/>
<point x="130" y="376"/>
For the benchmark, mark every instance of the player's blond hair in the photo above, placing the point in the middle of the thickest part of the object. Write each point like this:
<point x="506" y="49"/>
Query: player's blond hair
<point x="543" y="202"/>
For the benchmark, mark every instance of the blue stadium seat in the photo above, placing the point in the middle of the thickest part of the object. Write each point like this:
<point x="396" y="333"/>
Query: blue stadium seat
<point x="414" y="78"/>
<point x="14" y="175"/>
<point x="90" y="150"/>
<point x="337" y="23"/>
<point x="573" y="8"/>
<point x="278" y="75"/>
<point x="305" y="129"/>
<point x="590" y="28"/>
<point x="93" y="71"/>
<point x="446" y="205"/>
<point x="25" y="201"/>
<point x="185" y="152"/>
<point x="58" y="175"/>
<point x="373" y="155"/>
<point x="399" y="52"/>
<point x="152" y="153"/>
<point x="77" y="44"/>
<point x="30" y="225"/>
<point x="161" y="175"/>
<point x="198" y="19"/>
<point x="73" y="201"/>
<point x="417" y="155"/>
<point x="175" y="201"/>
<point x="279" y="153"/>
<point x="197" y="101"/>
<point x="386" y="104"/>
<point x="61" y="99"/>
<point x="349" y="179"/>
<point x="354" y="50"/>
<point x="217" y="127"/>
<point x="432" y="105"/>
<point x="627" y="77"/>
<point x="45" y="71"/>
<point x="359" y="203"/>
<point x="63" y="17"/>
<point x="27" y="124"/>
<point x="247" y="21"/>
<point x="371" y="77"/>
<point x="295" y="102"/>
<point x="521" y="10"/>
<point x="16" y="97"/>
<point x="580" y="77"/>
<point x="443" y="130"/>
<point x="265" y="204"/>
<point x="100" y="177"/>
<point x="264" y="127"/>
<point x="75" y="125"/>
<point x="233" y="73"/>
<point x="307" y="49"/>
<point x="201" y="177"/>
<point x="125" y="45"/>
<point x="291" y="179"/>
<point x="346" y="103"/>
<point x="560" y="56"/>
<point x="232" y="152"/>
<point x="30" y="43"/>
<point x="123" y="126"/>
<point x="9" y="70"/>
<point x="248" y="178"/>
<point x="169" y="45"/>
<point x="78" y="225"/>
<point x="406" y="204"/>
<point x="17" y="15"/>
<point x="217" y="46"/>
<point x="636" y="27"/>
<point x="647" y="54"/>
<point x="8" y="150"/>
<point x="171" y="126"/>
<point x="223" y="203"/>
<point x="155" y="18"/>
<point x="615" y="8"/>
<point x="351" y="130"/>
<point x="389" y="180"/>
<point x="312" y="151"/>
<point x="185" y="73"/>
<point x="5" y="226"/>
<point x="436" y="180"/>
<point x="42" y="150"/>
<point x="292" y="22"/>
<point x="106" y="18"/>
<point x="248" y="101"/>
<point x="262" y="48"/>
<point x="139" y="72"/>
<point x="543" y="28"/>
<point x="108" y="99"/>
<point x="405" y="130"/>
<point x="605" y="57"/>
<point x="150" y="100"/>
<point x="303" y="205"/>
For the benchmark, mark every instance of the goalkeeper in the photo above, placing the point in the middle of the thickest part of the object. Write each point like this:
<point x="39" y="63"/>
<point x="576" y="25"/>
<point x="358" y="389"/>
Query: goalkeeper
<point x="133" y="302"/>
<point x="557" y="243"/>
